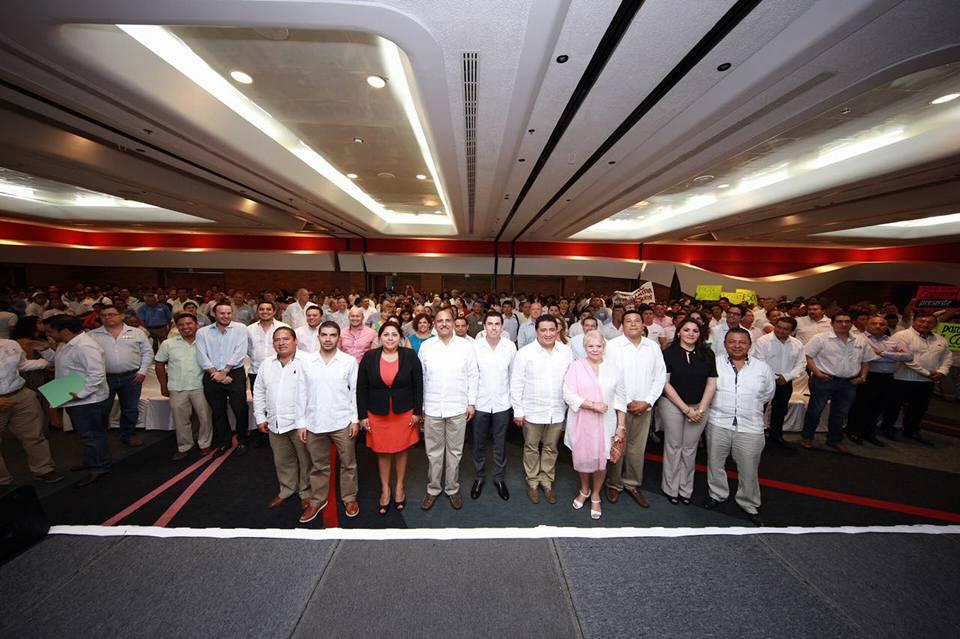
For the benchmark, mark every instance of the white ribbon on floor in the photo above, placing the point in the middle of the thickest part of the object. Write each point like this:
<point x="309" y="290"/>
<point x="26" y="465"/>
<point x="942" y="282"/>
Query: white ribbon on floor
<point x="453" y="534"/>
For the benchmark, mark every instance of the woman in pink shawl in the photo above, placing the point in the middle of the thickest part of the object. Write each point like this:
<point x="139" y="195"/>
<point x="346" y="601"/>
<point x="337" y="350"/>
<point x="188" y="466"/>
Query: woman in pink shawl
<point x="592" y="388"/>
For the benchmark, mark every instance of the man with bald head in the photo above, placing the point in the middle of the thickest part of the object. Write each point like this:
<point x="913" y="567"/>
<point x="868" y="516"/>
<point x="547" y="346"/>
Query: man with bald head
<point x="296" y="314"/>
<point x="357" y="338"/>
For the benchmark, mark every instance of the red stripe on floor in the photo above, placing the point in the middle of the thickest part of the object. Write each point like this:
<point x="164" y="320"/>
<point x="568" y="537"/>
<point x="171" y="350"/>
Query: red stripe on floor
<point x="330" y="518"/>
<point x="194" y="486"/>
<point x="879" y="504"/>
<point x="940" y="424"/>
<point x="129" y="510"/>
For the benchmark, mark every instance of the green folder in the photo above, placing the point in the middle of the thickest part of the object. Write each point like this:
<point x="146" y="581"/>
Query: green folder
<point x="58" y="391"/>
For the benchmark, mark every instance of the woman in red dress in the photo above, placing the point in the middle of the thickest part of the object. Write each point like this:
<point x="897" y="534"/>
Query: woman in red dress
<point x="390" y="408"/>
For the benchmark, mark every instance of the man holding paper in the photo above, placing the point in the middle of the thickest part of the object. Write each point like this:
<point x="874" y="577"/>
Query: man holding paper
<point x="78" y="353"/>
<point x="21" y="415"/>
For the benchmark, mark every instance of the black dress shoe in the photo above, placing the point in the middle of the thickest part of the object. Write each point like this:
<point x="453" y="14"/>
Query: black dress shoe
<point x="713" y="504"/>
<point x="88" y="479"/>
<point x="892" y="434"/>
<point x="476" y="489"/>
<point x="242" y="450"/>
<point x="855" y="438"/>
<point x="755" y="519"/>
<point x="873" y="440"/>
<point x="219" y="450"/>
<point x="917" y="437"/>
<point x="780" y="441"/>
<point x="502" y="490"/>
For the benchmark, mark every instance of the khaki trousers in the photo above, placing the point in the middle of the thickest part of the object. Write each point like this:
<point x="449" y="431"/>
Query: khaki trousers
<point x="539" y="465"/>
<point x="629" y="470"/>
<point x="443" y="437"/>
<point x="680" y="440"/>
<point x="318" y="446"/>
<point x="25" y="421"/>
<point x="745" y="449"/>
<point x="292" y="461"/>
<point x="183" y="406"/>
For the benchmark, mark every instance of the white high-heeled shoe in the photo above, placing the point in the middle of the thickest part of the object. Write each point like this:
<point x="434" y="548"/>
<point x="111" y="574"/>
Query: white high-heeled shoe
<point x="577" y="505"/>
<point x="595" y="514"/>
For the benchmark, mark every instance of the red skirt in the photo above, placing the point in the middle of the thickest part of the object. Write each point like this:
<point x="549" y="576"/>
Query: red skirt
<point x="392" y="433"/>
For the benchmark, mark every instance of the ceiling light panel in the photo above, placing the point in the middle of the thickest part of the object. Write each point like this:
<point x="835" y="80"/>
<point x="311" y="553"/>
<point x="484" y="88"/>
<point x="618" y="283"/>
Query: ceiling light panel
<point x="314" y="96"/>
<point x="902" y="123"/>
<point x="26" y="195"/>
<point x="925" y="227"/>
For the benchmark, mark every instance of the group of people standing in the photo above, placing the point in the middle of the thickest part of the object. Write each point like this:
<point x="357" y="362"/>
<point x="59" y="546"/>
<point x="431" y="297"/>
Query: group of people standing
<point x="325" y="375"/>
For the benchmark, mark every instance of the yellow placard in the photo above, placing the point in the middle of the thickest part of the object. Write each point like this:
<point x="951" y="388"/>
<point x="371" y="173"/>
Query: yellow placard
<point x="749" y="295"/>
<point x="709" y="293"/>
<point x="735" y="297"/>
<point x="951" y="333"/>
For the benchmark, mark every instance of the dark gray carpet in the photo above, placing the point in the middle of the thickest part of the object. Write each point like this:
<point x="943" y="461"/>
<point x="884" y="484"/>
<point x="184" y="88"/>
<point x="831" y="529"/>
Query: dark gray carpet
<point x="817" y="585"/>
<point x="45" y="572"/>
<point x="503" y="588"/>
<point x="692" y="587"/>
<point x="891" y="585"/>
<point x="147" y="587"/>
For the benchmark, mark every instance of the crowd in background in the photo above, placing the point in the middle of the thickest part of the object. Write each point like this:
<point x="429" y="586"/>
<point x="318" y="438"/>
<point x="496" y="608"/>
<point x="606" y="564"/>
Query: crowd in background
<point x="870" y="361"/>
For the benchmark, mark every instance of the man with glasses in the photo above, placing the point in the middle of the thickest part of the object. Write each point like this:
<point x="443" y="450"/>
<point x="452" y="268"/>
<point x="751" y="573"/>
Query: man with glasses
<point x="719" y="332"/>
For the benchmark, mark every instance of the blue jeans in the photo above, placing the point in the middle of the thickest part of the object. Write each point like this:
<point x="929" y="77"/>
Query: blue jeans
<point x="87" y="420"/>
<point x="128" y="393"/>
<point x="840" y="394"/>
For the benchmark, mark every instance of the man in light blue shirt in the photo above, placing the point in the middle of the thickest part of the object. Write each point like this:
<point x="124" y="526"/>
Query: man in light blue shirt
<point x="221" y="348"/>
<point x="875" y="396"/>
<point x="528" y="331"/>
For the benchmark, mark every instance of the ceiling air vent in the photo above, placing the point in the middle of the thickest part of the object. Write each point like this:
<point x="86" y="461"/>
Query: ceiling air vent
<point x="470" y="59"/>
<point x="702" y="237"/>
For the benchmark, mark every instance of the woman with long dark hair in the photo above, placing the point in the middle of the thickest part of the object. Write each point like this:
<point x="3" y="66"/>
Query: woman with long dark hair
<point x="691" y="384"/>
<point x="390" y="408"/>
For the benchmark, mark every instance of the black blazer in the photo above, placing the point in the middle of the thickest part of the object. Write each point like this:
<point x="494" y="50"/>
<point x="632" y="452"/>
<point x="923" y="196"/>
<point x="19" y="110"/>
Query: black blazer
<point x="407" y="393"/>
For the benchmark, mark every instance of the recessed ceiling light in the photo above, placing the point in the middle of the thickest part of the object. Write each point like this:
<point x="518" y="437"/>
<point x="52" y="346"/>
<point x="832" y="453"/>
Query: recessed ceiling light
<point x="376" y="81"/>
<point x="703" y="179"/>
<point x="358" y="140"/>
<point x="386" y="175"/>
<point x="641" y="203"/>
<point x="241" y="77"/>
<point x="945" y="98"/>
<point x="175" y="52"/>
<point x="421" y="176"/>
<point x="723" y="186"/>
<point x="352" y="176"/>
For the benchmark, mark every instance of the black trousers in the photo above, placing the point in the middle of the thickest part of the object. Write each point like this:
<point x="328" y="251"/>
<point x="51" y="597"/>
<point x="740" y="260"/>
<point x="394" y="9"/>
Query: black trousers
<point x="486" y="425"/>
<point x="218" y="396"/>
<point x="874" y="398"/>
<point x="916" y="396"/>
<point x="778" y="408"/>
